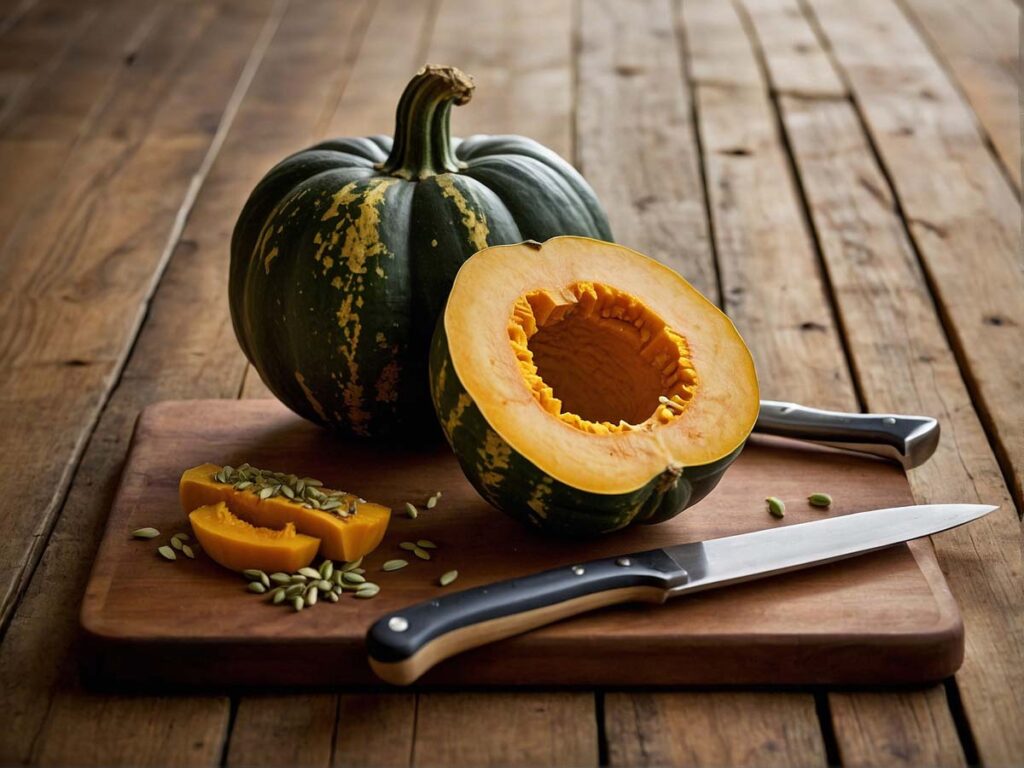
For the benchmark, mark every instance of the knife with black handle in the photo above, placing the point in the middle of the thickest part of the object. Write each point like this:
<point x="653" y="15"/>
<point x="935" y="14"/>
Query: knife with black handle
<point x="910" y="440"/>
<point x="405" y="644"/>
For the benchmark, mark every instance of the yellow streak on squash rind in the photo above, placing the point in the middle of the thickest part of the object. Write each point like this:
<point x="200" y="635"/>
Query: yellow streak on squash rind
<point x="475" y="222"/>
<point x="310" y="396"/>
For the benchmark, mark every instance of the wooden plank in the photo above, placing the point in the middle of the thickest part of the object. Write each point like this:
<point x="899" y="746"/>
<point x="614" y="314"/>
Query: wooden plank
<point x="918" y="731"/>
<point x="522" y="68"/>
<point x="60" y="104"/>
<point x="128" y="730"/>
<point x="964" y="216"/>
<point x="696" y="729"/>
<point x="505" y="729"/>
<point x="979" y="41"/>
<point x="764" y="248"/>
<point x="635" y="135"/>
<point x="797" y="63"/>
<point x="187" y="348"/>
<point x="285" y="730"/>
<point x="904" y="363"/>
<point x="75" y="281"/>
<point x="387" y="743"/>
<point x="637" y="144"/>
<point x="35" y="45"/>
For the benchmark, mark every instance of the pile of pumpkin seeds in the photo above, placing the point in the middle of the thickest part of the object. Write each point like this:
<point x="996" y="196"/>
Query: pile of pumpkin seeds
<point x="307" y="491"/>
<point x="178" y="543"/>
<point x="308" y="585"/>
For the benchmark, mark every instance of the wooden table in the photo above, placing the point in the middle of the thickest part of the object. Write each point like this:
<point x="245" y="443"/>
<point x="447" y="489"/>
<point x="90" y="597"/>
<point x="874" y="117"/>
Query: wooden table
<point x="843" y="177"/>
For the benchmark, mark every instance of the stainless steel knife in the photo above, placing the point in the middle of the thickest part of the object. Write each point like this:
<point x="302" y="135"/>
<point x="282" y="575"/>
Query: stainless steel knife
<point x="405" y="644"/>
<point x="910" y="440"/>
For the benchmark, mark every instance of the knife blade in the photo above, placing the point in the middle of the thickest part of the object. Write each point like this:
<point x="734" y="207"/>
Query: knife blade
<point x="405" y="644"/>
<point x="909" y="440"/>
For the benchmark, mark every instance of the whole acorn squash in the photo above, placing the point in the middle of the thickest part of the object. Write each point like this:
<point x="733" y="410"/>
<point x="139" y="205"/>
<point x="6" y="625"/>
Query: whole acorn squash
<point x="584" y="387"/>
<point x="344" y="254"/>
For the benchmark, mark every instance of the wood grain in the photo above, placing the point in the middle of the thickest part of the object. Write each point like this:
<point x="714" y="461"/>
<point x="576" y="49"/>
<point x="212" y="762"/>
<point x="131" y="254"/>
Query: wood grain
<point x="284" y="730"/>
<point x="697" y="729"/>
<point x="388" y="743"/>
<point x="75" y="281"/>
<point x="764" y="245"/>
<point x="904" y="363"/>
<point x="917" y="731"/>
<point x="964" y="217"/>
<point x="505" y="729"/>
<point x="187" y="348"/>
<point x="635" y="135"/>
<point x="979" y="41"/>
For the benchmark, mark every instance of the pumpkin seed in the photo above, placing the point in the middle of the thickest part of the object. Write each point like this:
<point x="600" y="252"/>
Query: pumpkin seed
<point x="394" y="565"/>
<point x="310" y="573"/>
<point x="312" y="483"/>
<point x="367" y="591"/>
<point x="327" y="506"/>
<point x="314" y="504"/>
<point x="257" y="587"/>
<point x="187" y="550"/>
<point x="311" y="596"/>
<point x="448" y="577"/>
<point x="409" y="546"/>
<point x="167" y="552"/>
<point x="411" y="511"/>
<point x="295" y="589"/>
<point x="145" y="533"/>
<point x="819" y="500"/>
<point x="280" y="578"/>
<point x="182" y="536"/>
<point x="677" y="407"/>
<point x="360" y="571"/>
<point x="298" y="578"/>
<point x="776" y="507"/>
<point x="352" y="564"/>
<point x="336" y="589"/>
<point x="426" y="544"/>
<point x="354" y="578"/>
<point x="326" y="569"/>
<point x="432" y="502"/>
<point x="422" y="554"/>
<point x="288" y="492"/>
<point x="279" y="596"/>
<point x="298" y="603"/>
<point x="176" y="543"/>
<point x="254" y="574"/>
<point x="324" y="586"/>
<point x="241" y="486"/>
<point x="332" y="596"/>
<point x="264" y="494"/>
<point x="350" y="587"/>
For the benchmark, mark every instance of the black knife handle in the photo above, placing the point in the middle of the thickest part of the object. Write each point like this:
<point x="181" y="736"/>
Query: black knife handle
<point x="405" y="644"/>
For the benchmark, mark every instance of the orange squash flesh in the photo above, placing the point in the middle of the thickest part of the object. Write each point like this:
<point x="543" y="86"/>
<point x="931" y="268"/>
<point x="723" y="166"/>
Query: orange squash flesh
<point x="340" y="538"/>
<point x="237" y="545"/>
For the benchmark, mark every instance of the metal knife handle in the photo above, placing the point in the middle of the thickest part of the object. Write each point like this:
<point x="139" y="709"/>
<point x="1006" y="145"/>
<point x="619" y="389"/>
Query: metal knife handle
<point x="405" y="644"/>
<point x="910" y="440"/>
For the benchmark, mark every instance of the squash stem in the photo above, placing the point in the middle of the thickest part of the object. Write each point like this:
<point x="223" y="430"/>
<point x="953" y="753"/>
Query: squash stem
<point x="423" y="142"/>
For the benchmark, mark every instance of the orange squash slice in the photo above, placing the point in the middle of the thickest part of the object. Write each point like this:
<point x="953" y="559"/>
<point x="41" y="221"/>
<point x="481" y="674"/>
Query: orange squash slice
<point x="341" y="538"/>
<point x="238" y="545"/>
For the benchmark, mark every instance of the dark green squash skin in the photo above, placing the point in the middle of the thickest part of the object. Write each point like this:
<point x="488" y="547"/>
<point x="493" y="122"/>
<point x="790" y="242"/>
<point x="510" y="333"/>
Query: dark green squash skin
<point x="516" y="486"/>
<point x="344" y="255"/>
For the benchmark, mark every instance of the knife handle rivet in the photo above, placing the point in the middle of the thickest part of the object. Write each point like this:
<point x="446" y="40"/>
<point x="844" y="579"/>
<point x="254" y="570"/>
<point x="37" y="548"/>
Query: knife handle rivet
<point x="398" y="624"/>
<point x="889" y="420"/>
<point x="625" y="562"/>
<point x="579" y="570"/>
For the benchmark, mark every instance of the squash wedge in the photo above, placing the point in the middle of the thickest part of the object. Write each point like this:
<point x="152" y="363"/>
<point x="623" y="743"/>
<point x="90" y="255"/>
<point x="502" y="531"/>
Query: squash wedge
<point x="340" y="538"/>
<point x="237" y="545"/>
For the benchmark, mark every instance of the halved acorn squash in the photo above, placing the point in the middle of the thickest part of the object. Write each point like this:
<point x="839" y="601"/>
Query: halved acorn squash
<point x="584" y="386"/>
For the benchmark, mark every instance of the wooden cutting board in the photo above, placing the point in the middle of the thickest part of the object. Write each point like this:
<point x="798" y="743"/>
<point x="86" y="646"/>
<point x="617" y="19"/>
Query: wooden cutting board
<point x="887" y="617"/>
